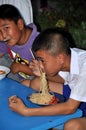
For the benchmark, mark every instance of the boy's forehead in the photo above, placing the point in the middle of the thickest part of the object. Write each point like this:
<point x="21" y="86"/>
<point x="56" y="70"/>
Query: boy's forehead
<point x="42" y="54"/>
<point x="4" y="22"/>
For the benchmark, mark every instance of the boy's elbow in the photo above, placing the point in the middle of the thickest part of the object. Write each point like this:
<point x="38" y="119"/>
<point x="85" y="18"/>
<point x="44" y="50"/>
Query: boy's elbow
<point x="72" y="106"/>
<point x="71" y="110"/>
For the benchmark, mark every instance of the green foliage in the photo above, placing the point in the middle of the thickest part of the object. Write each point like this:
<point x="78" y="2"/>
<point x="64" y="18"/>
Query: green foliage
<point x="65" y="13"/>
<point x="79" y="35"/>
<point x="46" y="18"/>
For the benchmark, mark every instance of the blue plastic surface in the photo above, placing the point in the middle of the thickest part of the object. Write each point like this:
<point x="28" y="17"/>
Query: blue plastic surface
<point x="10" y="120"/>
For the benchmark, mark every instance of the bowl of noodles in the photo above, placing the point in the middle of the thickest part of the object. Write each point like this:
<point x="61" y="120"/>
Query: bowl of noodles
<point x="3" y="71"/>
<point x="43" y="99"/>
<point x="44" y="96"/>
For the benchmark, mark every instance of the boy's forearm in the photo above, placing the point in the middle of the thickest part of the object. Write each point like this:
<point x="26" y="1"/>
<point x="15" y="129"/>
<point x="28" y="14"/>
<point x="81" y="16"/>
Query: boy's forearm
<point x="25" y="69"/>
<point x="58" y="109"/>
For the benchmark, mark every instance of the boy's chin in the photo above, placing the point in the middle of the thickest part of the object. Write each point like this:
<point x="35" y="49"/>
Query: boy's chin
<point x="10" y="44"/>
<point x="52" y="75"/>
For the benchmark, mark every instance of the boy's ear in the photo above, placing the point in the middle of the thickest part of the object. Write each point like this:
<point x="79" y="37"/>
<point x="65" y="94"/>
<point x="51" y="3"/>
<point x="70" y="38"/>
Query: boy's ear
<point x="60" y="58"/>
<point x="20" y="24"/>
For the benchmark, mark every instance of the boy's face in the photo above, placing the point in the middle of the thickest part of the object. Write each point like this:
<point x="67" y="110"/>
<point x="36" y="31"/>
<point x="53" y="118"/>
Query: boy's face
<point x="9" y="32"/>
<point x="52" y="64"/>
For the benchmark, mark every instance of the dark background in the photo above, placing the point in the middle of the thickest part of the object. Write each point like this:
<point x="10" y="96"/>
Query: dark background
<point x="70" y="13"/>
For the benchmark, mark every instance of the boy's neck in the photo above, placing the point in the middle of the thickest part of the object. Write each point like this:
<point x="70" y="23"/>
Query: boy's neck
<point x="25" y="36"/>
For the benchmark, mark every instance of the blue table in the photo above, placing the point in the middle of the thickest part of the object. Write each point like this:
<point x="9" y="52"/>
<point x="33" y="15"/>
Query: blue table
<point x="10" y="120"/>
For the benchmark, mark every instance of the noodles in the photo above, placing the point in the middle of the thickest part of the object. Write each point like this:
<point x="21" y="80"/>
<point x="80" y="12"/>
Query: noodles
<point x="43" y="97"/>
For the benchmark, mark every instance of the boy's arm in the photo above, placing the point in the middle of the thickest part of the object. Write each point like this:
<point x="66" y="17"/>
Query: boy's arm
<point x="68" y="107"/>
<point x="18" y="67"/>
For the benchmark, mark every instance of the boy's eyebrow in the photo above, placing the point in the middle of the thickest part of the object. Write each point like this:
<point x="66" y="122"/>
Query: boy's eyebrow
<point x="39" y="58"/>
<point x="3" y="25"/>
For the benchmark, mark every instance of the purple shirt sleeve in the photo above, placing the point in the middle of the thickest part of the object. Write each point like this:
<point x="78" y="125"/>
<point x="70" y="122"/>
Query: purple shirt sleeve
<point x="3" y="48"/>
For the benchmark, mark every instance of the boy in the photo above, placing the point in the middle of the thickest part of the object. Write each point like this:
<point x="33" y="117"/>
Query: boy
<point x="16" y="39"/>
<point x="53" y="50"/>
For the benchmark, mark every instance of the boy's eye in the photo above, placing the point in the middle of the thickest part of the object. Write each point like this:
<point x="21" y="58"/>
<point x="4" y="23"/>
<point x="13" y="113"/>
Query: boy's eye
<point x="6" y="27"/>
<point x="42" y="60"/>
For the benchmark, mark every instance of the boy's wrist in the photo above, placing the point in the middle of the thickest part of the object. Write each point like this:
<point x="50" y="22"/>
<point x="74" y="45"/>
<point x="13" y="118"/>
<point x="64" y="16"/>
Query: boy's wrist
<point x="27" y="111"/>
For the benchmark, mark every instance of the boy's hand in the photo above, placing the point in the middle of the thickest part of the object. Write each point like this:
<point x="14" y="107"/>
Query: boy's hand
<point x="15" y="67"/>
<point x="35" y="67"/>
<point x="17" y="105"/>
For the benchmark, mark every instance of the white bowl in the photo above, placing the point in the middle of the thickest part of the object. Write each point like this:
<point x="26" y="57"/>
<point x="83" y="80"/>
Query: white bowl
<point x="5" y="69"/>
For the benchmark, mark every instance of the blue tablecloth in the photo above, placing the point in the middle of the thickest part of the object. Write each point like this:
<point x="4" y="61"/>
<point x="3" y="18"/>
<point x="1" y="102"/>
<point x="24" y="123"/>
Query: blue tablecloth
<point x="10" y="120"/>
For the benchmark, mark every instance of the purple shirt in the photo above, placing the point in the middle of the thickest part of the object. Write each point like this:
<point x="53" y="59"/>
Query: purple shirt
<point x="23" y="50"/>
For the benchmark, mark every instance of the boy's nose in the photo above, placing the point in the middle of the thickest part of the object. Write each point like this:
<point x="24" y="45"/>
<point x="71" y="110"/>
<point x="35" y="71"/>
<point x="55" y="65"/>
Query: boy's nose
<point x="4" y="35"/>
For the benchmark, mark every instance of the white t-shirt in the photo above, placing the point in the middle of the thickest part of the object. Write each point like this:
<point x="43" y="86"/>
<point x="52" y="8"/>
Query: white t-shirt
<point x="76" y="78"/>
<point x="24" y="6"/>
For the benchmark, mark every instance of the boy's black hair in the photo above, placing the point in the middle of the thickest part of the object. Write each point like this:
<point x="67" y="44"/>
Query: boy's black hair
<point x="48" y="40"/>
<point x="10" y="12"/>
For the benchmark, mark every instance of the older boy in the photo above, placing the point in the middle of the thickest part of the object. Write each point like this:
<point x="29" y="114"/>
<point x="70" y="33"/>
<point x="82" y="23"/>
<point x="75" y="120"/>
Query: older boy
<point x="53" y="50"/>
<point x="16" y="39"/>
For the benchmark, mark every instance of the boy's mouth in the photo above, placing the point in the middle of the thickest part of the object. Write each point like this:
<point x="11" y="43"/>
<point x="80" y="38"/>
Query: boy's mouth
<point x="5" y="40"/>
